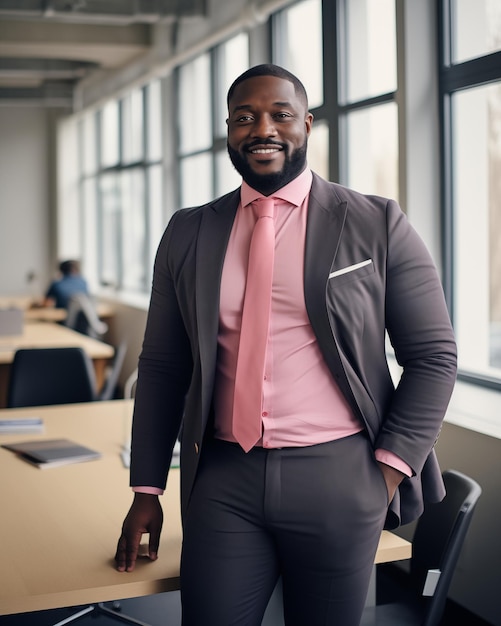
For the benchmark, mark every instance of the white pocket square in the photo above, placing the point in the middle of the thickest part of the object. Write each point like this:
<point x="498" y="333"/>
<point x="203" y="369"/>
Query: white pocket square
<point x="350" y="268"/>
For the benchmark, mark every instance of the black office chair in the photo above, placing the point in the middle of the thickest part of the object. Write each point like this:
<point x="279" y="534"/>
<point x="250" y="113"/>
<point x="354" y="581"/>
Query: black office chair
<point x="82" y="317"/>
<point x="436" y="545"/>
<point x="109" y="389"/>
<point x="42" y="376"/>
<point x="130" y="385"/>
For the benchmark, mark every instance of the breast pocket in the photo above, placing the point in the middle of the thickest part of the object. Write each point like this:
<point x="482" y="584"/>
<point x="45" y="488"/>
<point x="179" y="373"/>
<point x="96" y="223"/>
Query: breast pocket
<point x="351" y="272"/>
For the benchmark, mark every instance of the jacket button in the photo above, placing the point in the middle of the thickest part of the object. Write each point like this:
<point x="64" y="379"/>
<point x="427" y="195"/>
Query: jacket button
<point x="196" y="448"/>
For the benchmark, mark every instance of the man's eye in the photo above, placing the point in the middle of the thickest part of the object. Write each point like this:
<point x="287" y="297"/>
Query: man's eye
<point x="243" y="118"/>
<point x="282" y="115"/>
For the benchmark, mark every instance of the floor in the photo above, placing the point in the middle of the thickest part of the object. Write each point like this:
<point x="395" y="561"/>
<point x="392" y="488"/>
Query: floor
<point x="455" y="615"/>
<point x="390" y="579"/>
<point x="154" y="611"/>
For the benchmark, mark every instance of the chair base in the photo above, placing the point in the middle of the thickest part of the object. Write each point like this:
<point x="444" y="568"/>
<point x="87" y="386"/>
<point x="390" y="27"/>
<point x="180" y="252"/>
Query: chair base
<point x="392" y="614"/>
<point x="99" y="608"/>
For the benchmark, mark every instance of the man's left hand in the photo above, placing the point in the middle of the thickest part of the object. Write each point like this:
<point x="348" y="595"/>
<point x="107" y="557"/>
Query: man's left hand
<point x="392" y="477"/>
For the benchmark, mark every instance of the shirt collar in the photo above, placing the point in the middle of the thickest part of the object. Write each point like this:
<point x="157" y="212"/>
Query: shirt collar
<point x="294" y="192"/>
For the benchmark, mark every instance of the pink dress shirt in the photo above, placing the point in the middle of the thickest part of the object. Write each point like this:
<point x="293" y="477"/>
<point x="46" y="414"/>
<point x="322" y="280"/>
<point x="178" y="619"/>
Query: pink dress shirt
<point x="301" y="402"/>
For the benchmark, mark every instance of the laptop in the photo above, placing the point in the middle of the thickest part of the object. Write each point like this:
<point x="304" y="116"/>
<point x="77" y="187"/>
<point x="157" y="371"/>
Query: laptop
<point x="11" y="321"/>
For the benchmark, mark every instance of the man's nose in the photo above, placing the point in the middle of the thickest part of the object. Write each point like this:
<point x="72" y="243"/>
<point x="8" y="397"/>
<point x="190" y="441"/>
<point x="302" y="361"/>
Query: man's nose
<point x="264" y="126"/>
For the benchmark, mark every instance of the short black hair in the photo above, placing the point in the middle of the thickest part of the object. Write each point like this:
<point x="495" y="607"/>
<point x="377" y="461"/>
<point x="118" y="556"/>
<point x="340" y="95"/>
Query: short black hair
<point x="69" y="267"/>
<point x="269" y="69"/>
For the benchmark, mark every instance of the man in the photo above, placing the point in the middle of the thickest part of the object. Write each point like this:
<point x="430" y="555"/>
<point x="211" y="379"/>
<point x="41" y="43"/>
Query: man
<point x="340" y="452"/>
<point x="69" y="284"/>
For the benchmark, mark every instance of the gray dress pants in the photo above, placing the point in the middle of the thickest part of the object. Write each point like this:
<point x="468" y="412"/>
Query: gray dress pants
<point x="312" y="515"/>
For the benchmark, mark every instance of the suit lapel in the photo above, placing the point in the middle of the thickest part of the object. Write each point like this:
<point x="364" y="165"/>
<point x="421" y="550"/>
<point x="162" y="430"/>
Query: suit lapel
<point x="326" y="218"/>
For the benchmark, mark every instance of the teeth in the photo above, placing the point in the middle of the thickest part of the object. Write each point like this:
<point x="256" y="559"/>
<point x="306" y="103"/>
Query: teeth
<point x="265" y="150"/>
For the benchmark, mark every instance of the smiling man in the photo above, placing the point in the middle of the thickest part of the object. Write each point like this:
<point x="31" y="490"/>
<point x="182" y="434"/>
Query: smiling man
<point x="296" y="448"/>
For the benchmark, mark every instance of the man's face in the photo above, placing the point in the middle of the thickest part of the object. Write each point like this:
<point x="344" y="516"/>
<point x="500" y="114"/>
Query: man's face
<point x="268" y="128"/>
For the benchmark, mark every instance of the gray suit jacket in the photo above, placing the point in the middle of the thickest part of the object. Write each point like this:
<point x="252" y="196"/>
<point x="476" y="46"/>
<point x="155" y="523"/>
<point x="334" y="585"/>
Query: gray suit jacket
<point x="366" y="272"/>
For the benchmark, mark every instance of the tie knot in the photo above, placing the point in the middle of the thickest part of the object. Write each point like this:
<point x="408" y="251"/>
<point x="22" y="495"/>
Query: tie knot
<point x="265" y="207"/>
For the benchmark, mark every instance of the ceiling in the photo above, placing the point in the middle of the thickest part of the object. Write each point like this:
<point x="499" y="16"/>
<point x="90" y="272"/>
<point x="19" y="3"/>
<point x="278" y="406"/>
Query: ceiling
<point x="46" y="46"/>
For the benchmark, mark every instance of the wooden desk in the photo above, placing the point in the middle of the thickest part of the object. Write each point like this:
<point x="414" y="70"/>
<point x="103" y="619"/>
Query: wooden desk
<point x="47" y="314"/>
<point x="60" y="526"/>
<point x="16" y="302"/>
<point x="47" y="335"/>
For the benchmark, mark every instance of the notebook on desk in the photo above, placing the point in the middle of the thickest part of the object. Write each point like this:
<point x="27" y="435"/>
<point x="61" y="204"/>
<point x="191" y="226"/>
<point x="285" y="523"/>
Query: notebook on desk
<point x="45" y="453"/>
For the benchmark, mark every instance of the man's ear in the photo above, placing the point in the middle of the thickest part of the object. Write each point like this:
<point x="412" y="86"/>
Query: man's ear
<point x="308" y="122"/>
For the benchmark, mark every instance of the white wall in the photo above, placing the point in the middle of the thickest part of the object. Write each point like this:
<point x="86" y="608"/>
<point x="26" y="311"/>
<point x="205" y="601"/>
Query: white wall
<point x="25" y="153"/>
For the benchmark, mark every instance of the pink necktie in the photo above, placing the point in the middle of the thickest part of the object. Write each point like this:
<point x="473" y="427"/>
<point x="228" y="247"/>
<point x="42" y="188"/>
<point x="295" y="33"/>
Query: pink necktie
<point x="247" y="403"/>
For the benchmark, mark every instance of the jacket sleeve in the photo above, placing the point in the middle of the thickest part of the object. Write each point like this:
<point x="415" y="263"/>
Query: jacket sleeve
<point x="164" y="374"/>
<point x="420" y="332"/>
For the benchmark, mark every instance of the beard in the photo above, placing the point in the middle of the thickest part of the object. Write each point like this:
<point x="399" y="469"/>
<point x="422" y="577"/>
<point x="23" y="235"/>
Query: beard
<point x="268" y="183"/>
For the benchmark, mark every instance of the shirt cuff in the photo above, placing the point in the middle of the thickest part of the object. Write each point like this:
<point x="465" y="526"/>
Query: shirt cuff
<point x="391" y="459"/>
<point x="154" y="491"/>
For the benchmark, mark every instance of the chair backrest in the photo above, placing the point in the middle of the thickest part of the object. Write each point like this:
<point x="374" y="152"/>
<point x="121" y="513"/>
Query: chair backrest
<point x="42" y="376"/>
<point x="130" y="385"/>
<point x="439" y="537"/>
<point x="111" y="381"/>
<point x="82" y="316"/>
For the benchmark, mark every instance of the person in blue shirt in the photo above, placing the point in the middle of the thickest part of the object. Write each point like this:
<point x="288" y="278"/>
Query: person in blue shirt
<point x="71" y="282"/>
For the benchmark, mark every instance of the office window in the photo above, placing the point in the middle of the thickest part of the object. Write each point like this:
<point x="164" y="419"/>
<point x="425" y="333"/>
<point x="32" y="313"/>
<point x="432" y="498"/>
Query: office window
<point x="109" y="229"/>
<point x="87" y="223"/>
<point x="155" y="213"/>
<point x="156" y="218"/>
<point x="121" y="190"/>
<point x="109" y="134"/>
<point x="195" y="105"/>
<point x="368" y="113"/>
<point x="372" y="150"/>
<point x="298" y="46"/>
<point x="154" y="121"/>
<point x="195" y="131"/>
<point x="196" y="180"/>
<point x="133" y="229"/>
<point x="477" y="227"/>
<point x="232" y="58"/>
<point x="471" y="117"/>
<point x="88" y="144"/>
<point x="476" y="28"/>
<point x="89" y="229"/>
<point x="132" y="127"/>
<point x="368" y="35"/>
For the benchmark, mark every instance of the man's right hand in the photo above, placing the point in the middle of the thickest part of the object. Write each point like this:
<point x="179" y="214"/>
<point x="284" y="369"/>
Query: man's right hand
<point x="144" y="516"/>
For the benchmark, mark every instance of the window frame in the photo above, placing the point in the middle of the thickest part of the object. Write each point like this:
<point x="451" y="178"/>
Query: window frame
<point x="453" y="78"/>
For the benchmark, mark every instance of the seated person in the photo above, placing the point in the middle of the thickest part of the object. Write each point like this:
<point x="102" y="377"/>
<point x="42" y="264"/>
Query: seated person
<point x="71" y="282"/>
